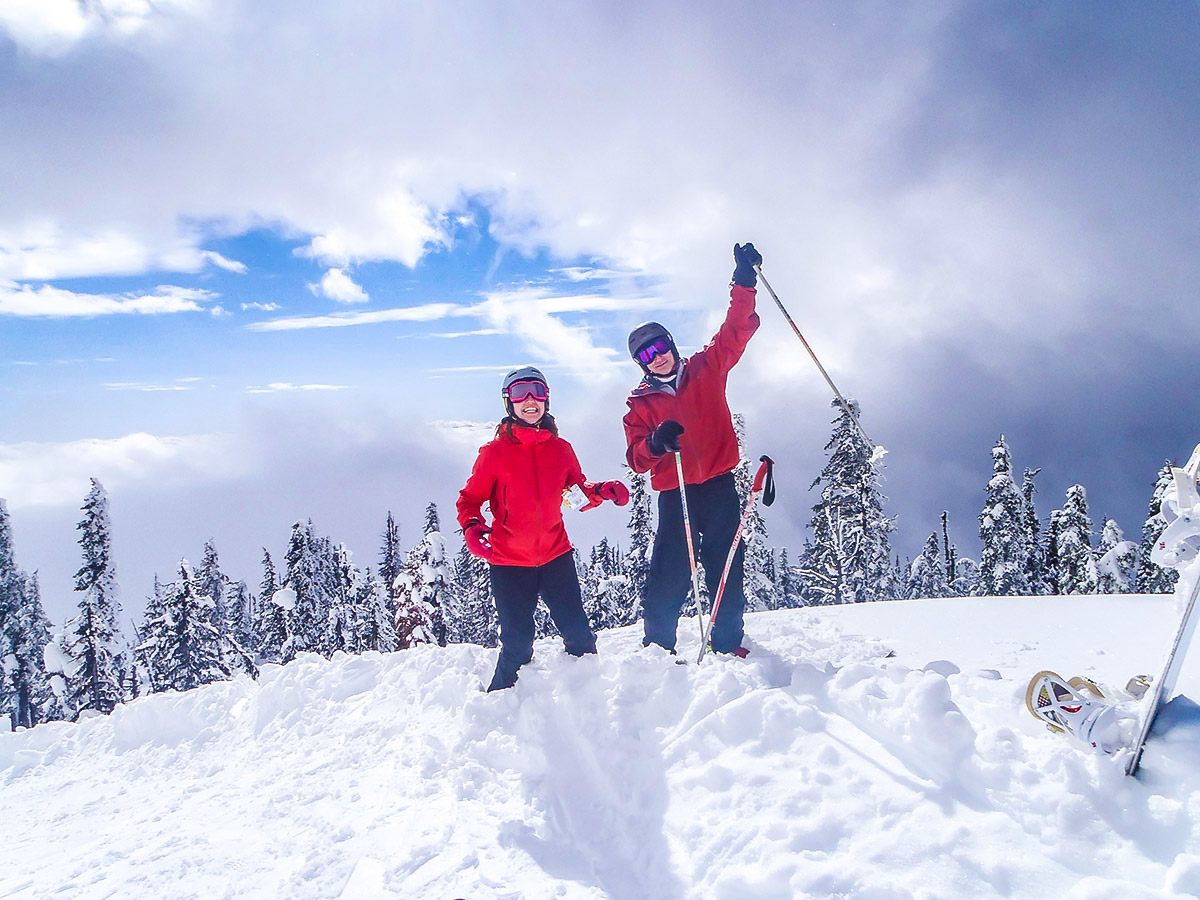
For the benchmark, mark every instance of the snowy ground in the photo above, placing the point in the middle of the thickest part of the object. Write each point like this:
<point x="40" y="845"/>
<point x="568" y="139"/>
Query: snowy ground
<point x="816" y="768"/>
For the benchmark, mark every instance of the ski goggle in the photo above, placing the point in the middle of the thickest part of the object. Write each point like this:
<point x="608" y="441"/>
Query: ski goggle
<point x="519" y="390"/>
<point x="656" y="347"/>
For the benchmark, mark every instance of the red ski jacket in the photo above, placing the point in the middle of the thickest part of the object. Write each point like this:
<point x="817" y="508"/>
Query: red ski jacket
<point x="522" y="476"/>
<point x="708" y="444"/>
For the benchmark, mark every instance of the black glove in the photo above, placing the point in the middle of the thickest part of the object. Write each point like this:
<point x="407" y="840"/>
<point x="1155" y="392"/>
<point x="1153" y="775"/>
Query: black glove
<point x="665" y="438"/>
<point x="746" y="258"/>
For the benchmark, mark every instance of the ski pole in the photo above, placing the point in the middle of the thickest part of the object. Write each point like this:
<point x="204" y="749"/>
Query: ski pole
<point x="764" y="479"/>
<point x="687" y="529"/>
<point x="878" y="452"/>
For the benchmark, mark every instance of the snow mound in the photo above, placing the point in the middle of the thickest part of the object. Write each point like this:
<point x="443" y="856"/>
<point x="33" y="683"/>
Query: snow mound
<point x="820" y="766"/>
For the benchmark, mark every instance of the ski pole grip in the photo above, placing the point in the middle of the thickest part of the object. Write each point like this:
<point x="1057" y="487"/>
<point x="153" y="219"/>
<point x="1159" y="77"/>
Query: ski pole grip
<point x="764" y="480"/>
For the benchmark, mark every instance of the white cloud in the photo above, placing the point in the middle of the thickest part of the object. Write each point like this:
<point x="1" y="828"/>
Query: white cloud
<point x="52" y="302"/>
<point x="52" y="27"/>
<point x="229" y="265"/>
<point x="144" y="386"/>
<point x="285" y="387"/>
<point x="528" y="316"/>
<point x="49" y="474"/>
<point x="263" y="307"/>
<point x="340" y="287"/>
<point x="425" y="313"/>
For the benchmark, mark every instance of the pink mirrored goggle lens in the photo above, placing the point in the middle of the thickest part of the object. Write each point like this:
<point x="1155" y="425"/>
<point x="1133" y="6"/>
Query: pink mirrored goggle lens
<point x="519" y="390"/>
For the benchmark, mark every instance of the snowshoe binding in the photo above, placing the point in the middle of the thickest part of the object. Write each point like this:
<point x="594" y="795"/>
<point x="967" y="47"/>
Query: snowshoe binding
<point x="1074" y="708"/>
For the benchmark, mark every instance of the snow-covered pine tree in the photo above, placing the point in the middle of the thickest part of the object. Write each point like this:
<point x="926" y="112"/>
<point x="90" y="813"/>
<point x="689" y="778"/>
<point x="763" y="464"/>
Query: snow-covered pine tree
<point x="1151" y="577"/>
<point x="949" y="555"/>
<point x="1004" y="564"/>
<point x="966" y="577"/>
<point x="1035" y="554"/>
<point x="758" y="582"/>
<point x="270" y="629"/>
<point x="310" y="578"/>
<point x="92" y="638"/>
<point x="1076" y="559"/>
<point x="787" y="583"/>
<point x="10" y="600"/>
<point x="425" y="582"/>
<point x="181" y="643"/>
<point x="1116" y="561"/>
<point x="342" y="627"/>
<point x="25" y="690"/>
<point x="1052" y="555"/>
<point x="641" y="542"/>
<point x="927" y="576"/>
<point x="849" y="559"/>
<point x="373" y="616"/>
<point x="212" y="583"/>
<point x="475" y="620"/>
<point x="242" y="615"/>
<point x="606" y="587"/>
<point x="391" y="561"/>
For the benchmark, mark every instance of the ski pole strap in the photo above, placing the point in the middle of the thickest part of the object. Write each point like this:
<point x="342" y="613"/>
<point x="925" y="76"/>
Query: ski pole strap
<point x="764" y="480"/>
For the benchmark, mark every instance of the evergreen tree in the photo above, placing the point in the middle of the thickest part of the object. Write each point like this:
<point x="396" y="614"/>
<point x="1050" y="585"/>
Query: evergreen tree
<point x="92" y="640"/>
<point x="1004" y="565"/>
<point x="342" y="625"/>
<point x="1035" y="559"/>
<point x="271" y="618"/>
<point x="391" y="561"/>
<point x="1076" y="559"/>
<point x="310" y="580"/>
<point x="787" y="584"/>
<point x="927" y="575"/>
<point x="605" y="587"/>
<point x="25" y="692"/>
<point x="1052" y="554"/>
<point x="475" y="621"/>
<point x="374" y="617"/>
<point x="425" y="582"/>
<point x="757" y="580"/>
<point x="1151" y="577"/>
<point x="182" y="646"/>
<point x="10" y="601"/>
<point x="211" y="583"/>
<point x="1116" y="561"/>
<point x="966" y="577"/>
<point x="641" y="542"/>
<point x="849" y="559"/>
<point x="242" y="615"/>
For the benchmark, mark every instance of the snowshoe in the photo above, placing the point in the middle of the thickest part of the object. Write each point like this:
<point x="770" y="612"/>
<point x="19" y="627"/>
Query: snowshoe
<point x="1074" y="708"/>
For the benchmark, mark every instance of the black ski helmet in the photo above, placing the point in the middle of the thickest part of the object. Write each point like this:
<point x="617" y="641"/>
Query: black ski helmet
<point x="643" y="335"/>
<point x="525" y="373"/>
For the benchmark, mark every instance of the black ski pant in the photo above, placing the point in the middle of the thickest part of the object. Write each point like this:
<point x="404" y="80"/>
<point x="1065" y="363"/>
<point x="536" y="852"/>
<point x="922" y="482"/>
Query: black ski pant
<point x="714" y="511"/>
<point x="516" y="590"/>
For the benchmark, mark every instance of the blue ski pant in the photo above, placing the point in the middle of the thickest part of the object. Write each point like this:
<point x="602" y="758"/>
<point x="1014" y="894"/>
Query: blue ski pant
<point x="516" y="590"/>
<point x="714" y="510"/>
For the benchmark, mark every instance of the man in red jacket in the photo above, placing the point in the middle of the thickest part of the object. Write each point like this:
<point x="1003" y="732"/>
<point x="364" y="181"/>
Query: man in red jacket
<point x="680" y="405"/>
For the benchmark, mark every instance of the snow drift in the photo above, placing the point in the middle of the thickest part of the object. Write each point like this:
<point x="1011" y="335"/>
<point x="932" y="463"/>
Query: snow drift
<point x="818" y="767"/>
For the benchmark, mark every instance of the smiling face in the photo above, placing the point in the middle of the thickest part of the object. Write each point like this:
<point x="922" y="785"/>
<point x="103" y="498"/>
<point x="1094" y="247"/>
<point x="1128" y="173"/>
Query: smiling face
<point x="663" y="364"/>
<point x="530" y="410"/>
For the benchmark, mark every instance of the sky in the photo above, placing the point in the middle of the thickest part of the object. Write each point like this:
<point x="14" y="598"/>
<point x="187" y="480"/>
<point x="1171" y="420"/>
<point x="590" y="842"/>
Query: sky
<point x="262" y="262"/>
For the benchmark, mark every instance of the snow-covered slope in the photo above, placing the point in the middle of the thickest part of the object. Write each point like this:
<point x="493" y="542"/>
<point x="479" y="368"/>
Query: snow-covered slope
<point x="818" y="767"/>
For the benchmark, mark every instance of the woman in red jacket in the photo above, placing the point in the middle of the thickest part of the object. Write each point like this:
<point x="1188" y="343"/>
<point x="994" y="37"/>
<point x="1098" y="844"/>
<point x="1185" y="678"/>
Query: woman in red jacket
<point x="523" y="475"/>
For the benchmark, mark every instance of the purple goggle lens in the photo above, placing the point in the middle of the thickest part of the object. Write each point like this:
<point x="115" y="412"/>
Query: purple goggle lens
<point x="656" y="347"/>
<point x="519" y="390"/>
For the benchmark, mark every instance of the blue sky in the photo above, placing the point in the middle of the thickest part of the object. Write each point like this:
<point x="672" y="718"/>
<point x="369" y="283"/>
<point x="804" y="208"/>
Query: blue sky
<point x="261" y="262"/>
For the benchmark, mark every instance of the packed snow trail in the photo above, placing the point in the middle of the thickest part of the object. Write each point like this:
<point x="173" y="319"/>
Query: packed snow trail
<point x="817" y="767"/>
